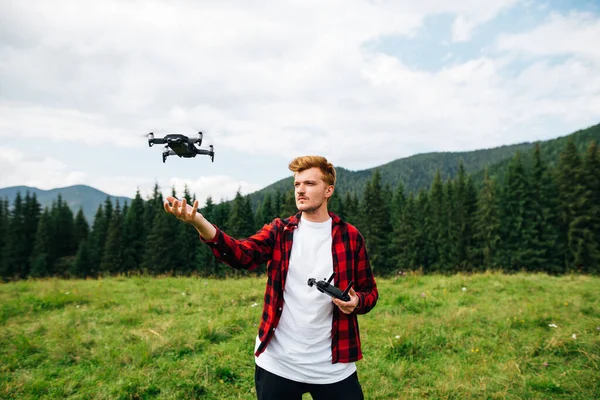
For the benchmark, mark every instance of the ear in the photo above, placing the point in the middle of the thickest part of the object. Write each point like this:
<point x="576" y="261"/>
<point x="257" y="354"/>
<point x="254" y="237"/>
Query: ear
<point x="329" y="191"/>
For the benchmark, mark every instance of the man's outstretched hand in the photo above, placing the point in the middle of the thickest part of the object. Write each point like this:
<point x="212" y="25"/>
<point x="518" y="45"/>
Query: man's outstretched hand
<point x="186" y="213"/>
<point x="183" y="211"/>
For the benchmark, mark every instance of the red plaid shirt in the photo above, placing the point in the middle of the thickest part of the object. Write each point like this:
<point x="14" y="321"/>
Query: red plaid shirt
<point x="273" y="244"/>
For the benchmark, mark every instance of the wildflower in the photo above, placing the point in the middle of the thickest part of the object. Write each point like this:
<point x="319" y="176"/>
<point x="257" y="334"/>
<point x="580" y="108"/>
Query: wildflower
<point x="423" y="295"/>
<point x="464" y="289"/>
<point x="254" y="305"/>
<point x="77" y="306"/>
<point x="183" y="293"/>
<point x="397" y="336"/>
<point x="598" y="328"/>
<point x="574" y="336"/>
<point x="566" y="304"/>
<point x="553" y="326"/>
<point x="545" y="364"/>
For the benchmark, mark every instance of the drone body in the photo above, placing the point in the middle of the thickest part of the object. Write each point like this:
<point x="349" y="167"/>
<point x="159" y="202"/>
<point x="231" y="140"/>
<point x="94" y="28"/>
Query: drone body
<point x="181" y="145"/>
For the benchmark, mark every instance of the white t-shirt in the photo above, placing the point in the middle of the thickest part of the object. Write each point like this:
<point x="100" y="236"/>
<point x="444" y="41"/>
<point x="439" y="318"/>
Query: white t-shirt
<point x="300" y="349"/>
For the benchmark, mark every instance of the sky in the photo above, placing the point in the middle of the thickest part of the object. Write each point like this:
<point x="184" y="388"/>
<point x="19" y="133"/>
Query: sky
<point x="361" y="82"/>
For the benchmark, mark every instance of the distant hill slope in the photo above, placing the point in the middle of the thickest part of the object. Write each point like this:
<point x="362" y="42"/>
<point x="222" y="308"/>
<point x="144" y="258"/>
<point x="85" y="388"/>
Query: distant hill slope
<point x="417" y="172"/>
<point x="76" y="196"/>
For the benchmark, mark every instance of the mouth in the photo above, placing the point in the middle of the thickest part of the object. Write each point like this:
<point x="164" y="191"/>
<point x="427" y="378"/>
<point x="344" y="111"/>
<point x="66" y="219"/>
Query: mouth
<point x="302" y="198"/>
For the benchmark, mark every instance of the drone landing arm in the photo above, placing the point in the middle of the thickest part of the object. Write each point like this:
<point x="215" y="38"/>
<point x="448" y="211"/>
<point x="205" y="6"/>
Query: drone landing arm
<point x="168" y="153"/>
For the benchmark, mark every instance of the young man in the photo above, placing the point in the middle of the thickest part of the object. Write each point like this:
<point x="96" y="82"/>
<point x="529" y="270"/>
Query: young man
<point x="306" y="342"/>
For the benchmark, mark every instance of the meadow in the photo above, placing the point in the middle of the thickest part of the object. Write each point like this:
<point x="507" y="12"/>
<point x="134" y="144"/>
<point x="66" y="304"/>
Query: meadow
<point x="483" y="336"/>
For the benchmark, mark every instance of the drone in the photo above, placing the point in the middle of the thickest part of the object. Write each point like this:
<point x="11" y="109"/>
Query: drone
<point x="181" y="145"/>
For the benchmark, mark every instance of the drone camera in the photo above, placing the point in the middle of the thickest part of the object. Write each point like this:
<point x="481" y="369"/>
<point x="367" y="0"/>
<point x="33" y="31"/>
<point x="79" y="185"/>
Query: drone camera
<point x="150" y="139"/>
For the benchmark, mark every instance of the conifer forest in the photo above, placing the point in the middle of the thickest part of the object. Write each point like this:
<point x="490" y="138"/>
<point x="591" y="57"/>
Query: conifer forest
<point x="540" y="215"/>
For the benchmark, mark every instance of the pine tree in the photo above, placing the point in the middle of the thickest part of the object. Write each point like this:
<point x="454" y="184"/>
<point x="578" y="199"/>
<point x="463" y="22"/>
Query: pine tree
<point x="4" y="220"/>
<point x="159" y="256"/>
<point x="336" y="205"/>
<point x="134" y="234"/>
<point x="573" y="199"/>
<point x="288" y="204"/>
<point x="439" y="225"/>
<point x="423" y="230"/>
<point x="406" y="256"/>
<point x="15" y="249"/>
<point x="545" y="214"/>
<point x="83" y="261"/>
<point x="63" y="240"/>
<point x="241" y="219"/>
<point x="591" y="167"/>
<point x="41" y="257"/>
<point x="519" y="229"/>
<point x="221" y="215"/>
<point x="81" y="228"/>
<point x="376" y="226"/>
<point x="112" y="258"/>
<point x="487" y="226"/>
<point x="450" y="248"/>
<point x="31" y="218"/>
<point x="583" y="228"/>
<point x="351" y="208"/>
<point x="96" y="241"/>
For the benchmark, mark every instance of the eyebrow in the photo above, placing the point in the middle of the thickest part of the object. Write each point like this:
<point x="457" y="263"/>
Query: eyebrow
<point x="305" y="181"/>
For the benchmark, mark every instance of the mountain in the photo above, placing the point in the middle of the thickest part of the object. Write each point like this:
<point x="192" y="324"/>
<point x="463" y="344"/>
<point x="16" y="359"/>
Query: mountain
<point x="417" y="172"/>
<point x="76" y="196"/>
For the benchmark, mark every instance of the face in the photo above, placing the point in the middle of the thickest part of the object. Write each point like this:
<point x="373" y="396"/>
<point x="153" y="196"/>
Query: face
<point x="311" y="191"/>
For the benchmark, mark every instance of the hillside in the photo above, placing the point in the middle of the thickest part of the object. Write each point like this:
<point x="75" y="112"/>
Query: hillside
<point x="78" y="196"/>
<point x="417" y="172"/>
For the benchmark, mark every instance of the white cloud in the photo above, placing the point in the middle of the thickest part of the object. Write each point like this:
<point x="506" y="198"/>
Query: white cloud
<point x="270" y="78"/>
<point x="575" y="34"/>
<point x="43" y="172"/>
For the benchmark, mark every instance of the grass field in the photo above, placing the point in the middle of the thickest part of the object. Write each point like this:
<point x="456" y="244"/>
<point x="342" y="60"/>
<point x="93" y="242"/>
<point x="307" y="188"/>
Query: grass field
<point x="487" y="336"/>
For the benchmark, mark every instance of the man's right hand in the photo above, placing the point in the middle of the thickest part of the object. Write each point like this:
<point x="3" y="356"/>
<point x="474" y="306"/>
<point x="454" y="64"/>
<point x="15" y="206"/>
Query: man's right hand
<point x="183" y="211"/>
<point x="186" y="213"/>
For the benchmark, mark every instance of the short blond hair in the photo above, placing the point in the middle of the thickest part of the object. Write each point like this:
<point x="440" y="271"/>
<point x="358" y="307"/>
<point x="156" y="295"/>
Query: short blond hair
<point x="302" y="163"/>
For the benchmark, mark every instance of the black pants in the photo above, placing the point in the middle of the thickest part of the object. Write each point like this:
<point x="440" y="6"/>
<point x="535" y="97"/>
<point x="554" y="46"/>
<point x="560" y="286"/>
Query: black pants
<point x="272" y="387"/>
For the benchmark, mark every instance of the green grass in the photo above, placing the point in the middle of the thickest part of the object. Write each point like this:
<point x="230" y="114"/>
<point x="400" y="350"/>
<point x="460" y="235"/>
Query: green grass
<point x="192" y="338"/>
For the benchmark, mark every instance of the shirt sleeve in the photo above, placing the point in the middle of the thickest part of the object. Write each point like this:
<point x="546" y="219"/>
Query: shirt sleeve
<point x="366" y="289"/>
<point x="246" y="253"/>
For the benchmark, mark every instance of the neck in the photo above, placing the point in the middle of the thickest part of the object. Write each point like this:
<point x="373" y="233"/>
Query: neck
<point x="320" y="215"/>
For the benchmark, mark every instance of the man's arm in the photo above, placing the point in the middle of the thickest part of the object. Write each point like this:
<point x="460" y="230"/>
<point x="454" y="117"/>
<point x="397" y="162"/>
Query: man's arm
<point x="242" y="254"/>
<point x="366" y="288"/>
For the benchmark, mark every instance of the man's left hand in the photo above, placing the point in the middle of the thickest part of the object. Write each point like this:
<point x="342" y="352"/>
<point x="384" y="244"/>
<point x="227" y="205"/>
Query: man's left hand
<point x="347" y="307"/>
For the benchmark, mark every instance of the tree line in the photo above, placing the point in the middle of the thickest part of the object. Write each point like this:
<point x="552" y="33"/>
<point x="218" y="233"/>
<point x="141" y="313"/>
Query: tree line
<point x="542" y="217"/>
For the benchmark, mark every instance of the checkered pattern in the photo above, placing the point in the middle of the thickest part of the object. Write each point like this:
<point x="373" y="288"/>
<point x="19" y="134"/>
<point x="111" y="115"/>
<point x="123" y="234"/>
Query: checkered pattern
<point x="273" y="244"/>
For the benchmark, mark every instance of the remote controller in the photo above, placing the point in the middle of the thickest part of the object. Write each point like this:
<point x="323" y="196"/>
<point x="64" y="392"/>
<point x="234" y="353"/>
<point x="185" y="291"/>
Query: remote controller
<point x="328" y="288"/>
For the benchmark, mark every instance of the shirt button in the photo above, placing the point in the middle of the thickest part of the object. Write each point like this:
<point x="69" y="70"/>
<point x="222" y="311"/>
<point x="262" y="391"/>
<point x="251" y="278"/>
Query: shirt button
<point x="280" y="309"/>
<point x="273" y="329"/>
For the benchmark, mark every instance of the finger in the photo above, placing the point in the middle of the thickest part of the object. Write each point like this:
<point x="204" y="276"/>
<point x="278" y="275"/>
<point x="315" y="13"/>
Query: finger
<point x="195" y="209"/>
<point x="352" y="292"/>
<point x="167" y="206"/>
<point x="184" y="211"/>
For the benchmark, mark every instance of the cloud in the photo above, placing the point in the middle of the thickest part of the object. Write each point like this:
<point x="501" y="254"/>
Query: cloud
<point x="48" y="173"/>
<point x="270" y="78"/>
<point x="42" y="172"/>
<point x="575" y="34"/>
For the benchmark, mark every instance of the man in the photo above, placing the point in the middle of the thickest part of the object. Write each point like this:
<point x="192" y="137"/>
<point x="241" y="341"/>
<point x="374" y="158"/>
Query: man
<point x="305" y="343"/>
